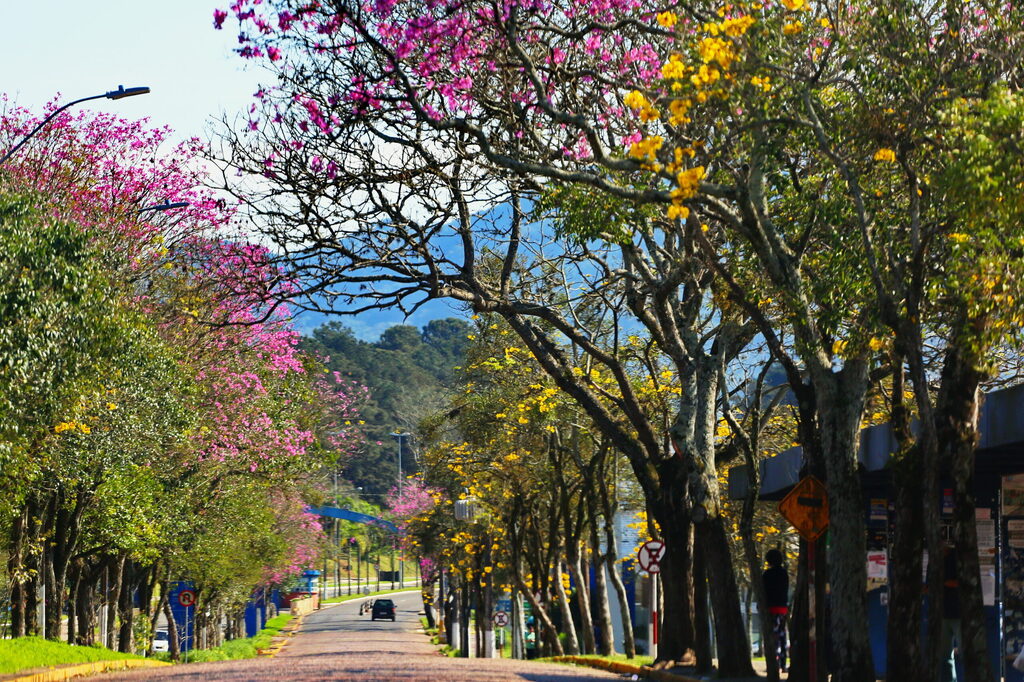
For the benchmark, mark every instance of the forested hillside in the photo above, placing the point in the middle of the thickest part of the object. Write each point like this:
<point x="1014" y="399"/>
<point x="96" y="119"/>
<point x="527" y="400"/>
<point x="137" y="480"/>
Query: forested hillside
<point x="408" y="372"/>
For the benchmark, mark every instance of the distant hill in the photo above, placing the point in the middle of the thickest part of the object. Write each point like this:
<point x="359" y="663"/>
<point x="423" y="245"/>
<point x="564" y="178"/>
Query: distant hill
<point x="409" y="373"/>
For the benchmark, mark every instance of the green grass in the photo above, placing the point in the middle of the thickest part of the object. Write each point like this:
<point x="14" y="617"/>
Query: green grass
<point x="237" y="648"/>
<point x="619" y="658"/>
<point x="32" y="652"/>
<point x="350" y="597"/>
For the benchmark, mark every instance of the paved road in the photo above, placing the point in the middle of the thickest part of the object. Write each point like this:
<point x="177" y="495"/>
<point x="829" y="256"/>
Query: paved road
<point x="338" y="644"/>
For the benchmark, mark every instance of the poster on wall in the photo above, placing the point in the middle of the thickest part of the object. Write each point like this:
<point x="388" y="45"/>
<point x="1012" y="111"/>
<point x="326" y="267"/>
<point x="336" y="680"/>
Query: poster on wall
<point x="1013" y="495"/>
<point x="877" y="565"/>
<point x="987" y="554"/>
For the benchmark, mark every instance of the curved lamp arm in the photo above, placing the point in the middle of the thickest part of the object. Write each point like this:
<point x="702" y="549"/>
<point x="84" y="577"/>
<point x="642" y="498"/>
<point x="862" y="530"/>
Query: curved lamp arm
<point x="120" y="93"/>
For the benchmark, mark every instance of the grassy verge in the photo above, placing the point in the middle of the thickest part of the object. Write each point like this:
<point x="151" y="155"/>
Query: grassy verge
<point x="32" y="652"/>
<point x="237" y="648"/>
<point x="350" y="597"/>
<point x="616" y="658"/>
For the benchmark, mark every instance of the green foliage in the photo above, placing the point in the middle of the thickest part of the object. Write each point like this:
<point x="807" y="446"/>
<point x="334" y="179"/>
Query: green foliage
<point x="408" y="372"/>
<point x="238" y="648"/>
<point x="582" y="214"/>
<point x="33" y="652"/>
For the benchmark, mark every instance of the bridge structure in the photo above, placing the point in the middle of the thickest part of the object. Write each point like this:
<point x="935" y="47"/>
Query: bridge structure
<point x="357" y="517"/>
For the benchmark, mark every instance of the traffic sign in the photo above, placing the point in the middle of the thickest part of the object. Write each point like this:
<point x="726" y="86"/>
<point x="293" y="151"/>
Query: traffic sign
<point x="806" y="507"/>
<point x="650" y="555"/>
<point x="500" y="619"/>
<point x="187" y="598"/>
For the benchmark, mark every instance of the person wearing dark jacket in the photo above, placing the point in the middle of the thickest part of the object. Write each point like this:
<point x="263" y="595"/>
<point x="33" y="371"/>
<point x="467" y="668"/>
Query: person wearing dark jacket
<point x="776" y="592"/>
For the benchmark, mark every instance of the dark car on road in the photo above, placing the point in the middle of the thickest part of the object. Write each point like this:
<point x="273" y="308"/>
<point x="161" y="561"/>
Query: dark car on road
<point x="382" y="608"/>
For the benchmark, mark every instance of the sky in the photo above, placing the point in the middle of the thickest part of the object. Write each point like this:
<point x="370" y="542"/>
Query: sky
<point x="78" y="48"/>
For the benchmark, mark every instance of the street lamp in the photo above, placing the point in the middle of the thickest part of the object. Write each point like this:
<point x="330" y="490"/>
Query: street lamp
<point x="120" y="93"/>
<point x="166" y="206"/>
<point x="400" y="436"/>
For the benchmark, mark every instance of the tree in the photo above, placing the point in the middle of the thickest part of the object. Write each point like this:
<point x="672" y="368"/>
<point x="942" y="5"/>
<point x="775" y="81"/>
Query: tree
<point x="749" y="120"/>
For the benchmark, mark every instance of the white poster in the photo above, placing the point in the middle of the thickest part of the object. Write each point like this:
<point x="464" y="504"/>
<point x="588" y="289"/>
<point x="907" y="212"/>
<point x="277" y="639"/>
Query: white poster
<point x="877" y="565"/>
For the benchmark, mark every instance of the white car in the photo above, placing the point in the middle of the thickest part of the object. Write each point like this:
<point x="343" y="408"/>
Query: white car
<point x="161" y="642"/>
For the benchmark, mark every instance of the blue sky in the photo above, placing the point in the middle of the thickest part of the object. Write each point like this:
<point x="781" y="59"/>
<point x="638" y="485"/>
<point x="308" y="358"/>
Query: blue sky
<point x="80" y="48"/>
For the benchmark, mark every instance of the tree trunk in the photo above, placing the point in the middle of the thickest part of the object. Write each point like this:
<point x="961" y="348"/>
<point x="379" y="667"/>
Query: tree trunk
<point x="677" y="639"/>
<point x="701" y="614"/>
<point x="161" y="602"/>
<point x="15" y="572"/>
<point x="173" y="648"/>
<point x="730" y="631"/>
<point x="606" y="644"/>
<point x="579" y="575"/>
<point x="905" y="569"/>
<point x="84" y="605"/>
<point x="541" y="616"/>
<point x="841" y="401"/>
<point x="74" y="578"/>
<point x="115" y="566"/>
<point x="126" y="609"/>
<point x="572" y="642"/>
<point x="957" y="414"/>
<point x="611" y="558"/>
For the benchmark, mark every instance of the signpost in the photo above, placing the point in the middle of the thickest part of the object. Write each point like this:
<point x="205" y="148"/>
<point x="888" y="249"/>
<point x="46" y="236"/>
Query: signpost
<point x="500" y="619"/>
<point x="650" y="554"/>
<point x="185" y="598"/>
<point x="806" y="507"/>
<point x="649" y="557"/>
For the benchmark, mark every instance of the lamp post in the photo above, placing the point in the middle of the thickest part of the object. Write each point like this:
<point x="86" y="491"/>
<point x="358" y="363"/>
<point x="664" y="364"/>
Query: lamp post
<point x="166" y="206"/>
<point x="120" y="93"/>
<point x="400" y="436"/>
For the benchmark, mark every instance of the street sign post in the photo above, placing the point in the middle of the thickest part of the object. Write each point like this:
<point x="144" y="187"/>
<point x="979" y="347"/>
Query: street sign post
<point x="806" y="507"/>
<point x="650" y="554"/>
<point x="186" y="598"/>
<point x="649" y="557"/>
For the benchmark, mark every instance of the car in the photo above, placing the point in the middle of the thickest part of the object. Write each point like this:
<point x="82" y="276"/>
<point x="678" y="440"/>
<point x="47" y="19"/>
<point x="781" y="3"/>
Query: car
<point x="161" y="641"/>
<point x="383" y="609"/>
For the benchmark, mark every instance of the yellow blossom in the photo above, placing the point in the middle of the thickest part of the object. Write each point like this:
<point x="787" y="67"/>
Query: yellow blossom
<point x="674" y="68"/>
<point x="765" y="83"/>
<point x="689" y="181"/>
<point x="875" y="343"/>
<point x="736" y="27"/>
<point x="680" y="212"/>
<point x="958" y="237"/>
<point x="646" y="148"/>
<point x="679" y="109"/>
<point x="668" y="19"/>
<point x="705" y="76"/>
<point x="717" y="50"/>
<point x="792" y="28"/>
<point x="635" y="100"/>
<point x="885" y="154"/>
<point x="795" y="5"/>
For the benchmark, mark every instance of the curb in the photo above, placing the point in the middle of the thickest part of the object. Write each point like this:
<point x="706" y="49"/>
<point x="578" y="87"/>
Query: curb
<point x="81" y="669"/>
<point x="624" y="668"/>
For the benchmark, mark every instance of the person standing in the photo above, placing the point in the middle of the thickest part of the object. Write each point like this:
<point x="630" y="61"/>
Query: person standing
<point x="776" y="592"/>
<point x="950" y="614"/>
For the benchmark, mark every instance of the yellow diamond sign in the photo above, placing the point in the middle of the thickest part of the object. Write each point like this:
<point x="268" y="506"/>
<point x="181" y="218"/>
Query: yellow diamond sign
<point x="806" y="507"/>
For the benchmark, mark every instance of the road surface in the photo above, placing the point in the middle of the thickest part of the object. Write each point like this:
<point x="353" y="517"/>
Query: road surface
<point x="337" y="643"/>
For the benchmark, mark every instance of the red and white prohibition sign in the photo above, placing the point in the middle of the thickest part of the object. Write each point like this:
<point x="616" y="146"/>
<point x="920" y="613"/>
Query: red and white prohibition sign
<point x="187" y="598"/>
<point x="650" y="555"/>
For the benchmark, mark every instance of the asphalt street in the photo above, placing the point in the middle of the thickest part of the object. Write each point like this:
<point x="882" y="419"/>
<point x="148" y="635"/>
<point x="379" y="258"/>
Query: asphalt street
<point x="337" y="643"/>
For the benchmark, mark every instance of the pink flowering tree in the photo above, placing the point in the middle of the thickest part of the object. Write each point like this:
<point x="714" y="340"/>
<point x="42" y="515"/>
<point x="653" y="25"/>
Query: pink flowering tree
<point x="178" y="410"/>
